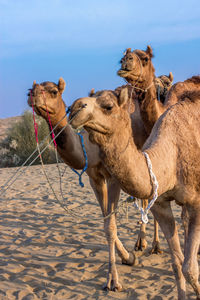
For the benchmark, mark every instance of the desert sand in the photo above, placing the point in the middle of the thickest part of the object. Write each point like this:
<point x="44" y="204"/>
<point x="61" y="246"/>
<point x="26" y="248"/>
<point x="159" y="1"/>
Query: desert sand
<point x="46" y="253"/>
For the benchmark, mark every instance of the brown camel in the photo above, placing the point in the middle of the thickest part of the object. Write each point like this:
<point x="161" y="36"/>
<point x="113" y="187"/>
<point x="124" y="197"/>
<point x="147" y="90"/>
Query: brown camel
<point x="174" y="150"/>
<point x="150" y="93"/>
<point x="106" y="188"/>
<point x="140" y="137"/>
<point x="154" y="95"/>
<point x="137" y="69"/>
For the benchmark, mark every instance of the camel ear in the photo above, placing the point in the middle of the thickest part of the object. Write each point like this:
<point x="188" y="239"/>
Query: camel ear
<point x="128" y="50"/>
<point x="171" y="77"/>
<point x="149" y="51"/>
<point x="91" y="93"/>
<point x="34" y="83"/>
<point x="123" y="97"/>
<point x="61" y="84"/>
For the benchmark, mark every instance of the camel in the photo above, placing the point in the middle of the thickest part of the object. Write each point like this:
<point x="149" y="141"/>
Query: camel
<point x="137" y="69"/>
<point x="154" y="94"/>
<point x="150" y="92"/>
<point x="48" y="95"/>
<point x="173" y="148"/>
<point x="140" y="137"/>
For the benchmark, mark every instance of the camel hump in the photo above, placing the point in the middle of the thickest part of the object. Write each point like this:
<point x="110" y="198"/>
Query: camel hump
<point x="192" y="96"/>
<point x="194" y="79"/>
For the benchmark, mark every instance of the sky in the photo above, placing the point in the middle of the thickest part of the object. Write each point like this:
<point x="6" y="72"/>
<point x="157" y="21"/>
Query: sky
<point x="84" y="40"/>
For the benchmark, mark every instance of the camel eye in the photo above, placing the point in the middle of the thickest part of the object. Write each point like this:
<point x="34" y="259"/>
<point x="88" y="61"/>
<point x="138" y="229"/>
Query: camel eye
<point x="54" y="92"/>
<point x="130" y="58"/>
<point x="108" y="107"/>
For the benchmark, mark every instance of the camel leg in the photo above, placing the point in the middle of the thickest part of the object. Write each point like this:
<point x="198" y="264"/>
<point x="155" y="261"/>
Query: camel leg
<point x="163" y="214"/>
<point x="156" y="243"/>
<point x="141" y="243"/>
<point x="190" y="264"/>
<point x="111" y="235"/>
<point x="108" y="196"/>
<point x="185" y="222"/>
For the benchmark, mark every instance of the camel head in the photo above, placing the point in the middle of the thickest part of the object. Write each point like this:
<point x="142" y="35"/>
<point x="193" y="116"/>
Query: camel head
<point x="46" y="97"/>
<point x="101" y="115"/>
<point x="137" y="68"/>
<point x="163" y="83"/>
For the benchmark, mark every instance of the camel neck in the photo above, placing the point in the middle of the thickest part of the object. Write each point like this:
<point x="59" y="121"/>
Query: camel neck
<point x="150" y="108"/>
<point x="68" y="142"/>
<point x="128" y="165"/>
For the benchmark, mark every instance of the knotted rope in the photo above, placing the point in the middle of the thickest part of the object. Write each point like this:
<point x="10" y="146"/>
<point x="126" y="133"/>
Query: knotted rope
<point x="144" y="211"/>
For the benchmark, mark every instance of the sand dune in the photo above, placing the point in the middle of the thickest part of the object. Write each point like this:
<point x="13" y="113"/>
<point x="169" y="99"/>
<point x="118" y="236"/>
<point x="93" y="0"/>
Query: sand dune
<point x="46" y="253"/>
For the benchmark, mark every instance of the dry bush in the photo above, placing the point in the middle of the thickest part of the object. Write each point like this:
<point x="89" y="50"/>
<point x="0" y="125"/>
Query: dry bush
<point x="21" y="142"/>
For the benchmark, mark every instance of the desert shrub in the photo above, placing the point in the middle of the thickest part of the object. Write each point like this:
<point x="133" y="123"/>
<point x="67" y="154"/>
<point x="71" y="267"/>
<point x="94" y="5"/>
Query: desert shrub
<point x="20" y="142"/>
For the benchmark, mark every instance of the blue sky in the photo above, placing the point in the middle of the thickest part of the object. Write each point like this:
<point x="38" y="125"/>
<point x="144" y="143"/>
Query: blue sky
<point x="83" y="41"/>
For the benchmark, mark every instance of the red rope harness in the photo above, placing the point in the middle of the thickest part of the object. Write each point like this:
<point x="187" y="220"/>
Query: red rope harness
<point x="49" y="119"/>
<point x="35" y="123"/>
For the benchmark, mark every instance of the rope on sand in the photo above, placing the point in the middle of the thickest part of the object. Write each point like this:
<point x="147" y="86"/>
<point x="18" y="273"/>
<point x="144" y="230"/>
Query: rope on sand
<point x="20" y="171"/>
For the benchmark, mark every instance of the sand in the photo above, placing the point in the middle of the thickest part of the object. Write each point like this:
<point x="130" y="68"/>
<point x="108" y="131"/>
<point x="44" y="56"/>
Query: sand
<point x="46" y="253"/>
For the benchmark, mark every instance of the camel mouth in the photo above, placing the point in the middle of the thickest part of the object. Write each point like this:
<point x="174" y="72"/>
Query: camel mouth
<point x="87" y="125"/>
<point x="122" y="72"/>
<point x="91" y="128"/>
<point x="41" y="110"/>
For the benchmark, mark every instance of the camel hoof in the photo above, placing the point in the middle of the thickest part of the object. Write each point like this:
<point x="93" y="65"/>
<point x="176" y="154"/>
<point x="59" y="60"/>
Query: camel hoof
<point x="140" y="245"/>
<point x="156" y="248"/>
<point x="113" y="287"/>
<point x="117" y="288"/>
<point x="130" y="261"/>
<point x="105" y="287"/>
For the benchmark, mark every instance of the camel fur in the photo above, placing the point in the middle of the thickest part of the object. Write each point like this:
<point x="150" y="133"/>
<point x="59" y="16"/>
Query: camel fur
<point x="174" y="150"/>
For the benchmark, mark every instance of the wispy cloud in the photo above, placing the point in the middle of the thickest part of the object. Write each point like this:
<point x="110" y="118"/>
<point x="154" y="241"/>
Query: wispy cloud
<point x="28" y="26"/>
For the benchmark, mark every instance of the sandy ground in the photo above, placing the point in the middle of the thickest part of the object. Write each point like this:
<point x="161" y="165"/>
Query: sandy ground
<point x="45" y="253"/>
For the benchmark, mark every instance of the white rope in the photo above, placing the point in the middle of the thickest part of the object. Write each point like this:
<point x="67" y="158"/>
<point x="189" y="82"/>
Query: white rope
<point x="144" y="211"/>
